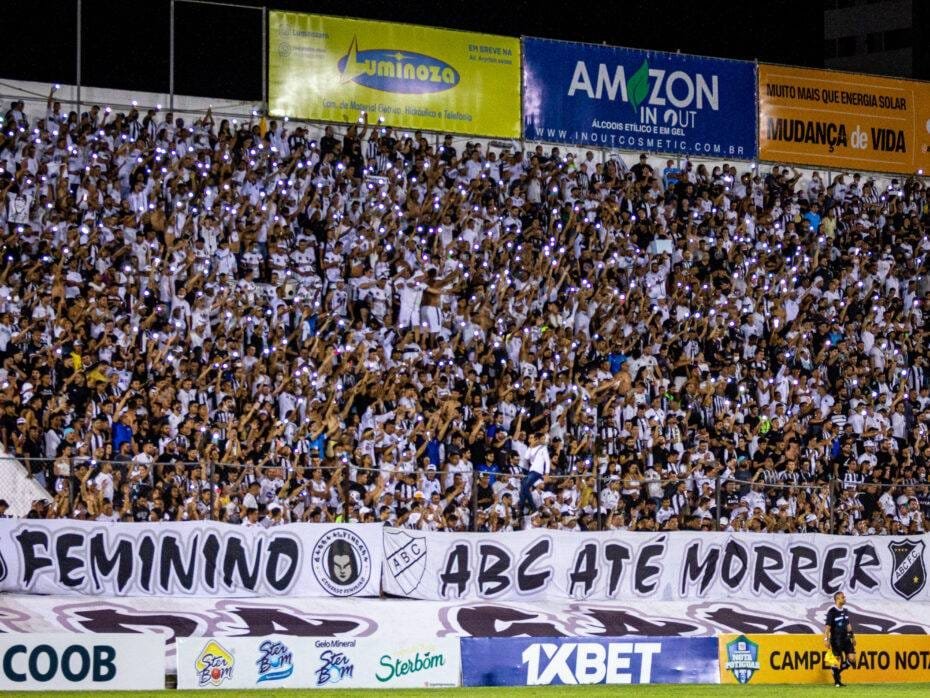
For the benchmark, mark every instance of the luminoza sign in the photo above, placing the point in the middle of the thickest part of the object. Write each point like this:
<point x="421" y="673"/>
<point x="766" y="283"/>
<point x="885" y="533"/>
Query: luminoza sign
<point x="843" y="120"/>
<point x="391" y="661"/>
<point x="535" y="565"/>
<point x="333" y="69"/>
<point x="192" y="559"/>
<point x="87" y="662"/>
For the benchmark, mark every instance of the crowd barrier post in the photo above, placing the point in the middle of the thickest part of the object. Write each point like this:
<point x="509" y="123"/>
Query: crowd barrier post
<point x="264" y="11"/>
<point x="77" y="62"/>
<point x="211" y="467"/>
<point x="474" y="501"/>
<point x="718" y="503"/>
<point x="346" y="491"/>
<point x="597" y="494"/>
<point x="171" y="56"/>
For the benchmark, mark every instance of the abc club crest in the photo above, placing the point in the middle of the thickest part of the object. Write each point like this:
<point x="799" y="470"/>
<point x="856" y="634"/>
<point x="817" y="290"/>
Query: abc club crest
<point x="908" y="574"/>
<point x="405" y="558"/>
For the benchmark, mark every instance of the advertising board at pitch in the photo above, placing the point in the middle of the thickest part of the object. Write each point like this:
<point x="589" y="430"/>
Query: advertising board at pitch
<point x="40" y="662"/>
<point x="753" y="659"/>
<point x="576" y="661"/>
<point x="317" y="662"/>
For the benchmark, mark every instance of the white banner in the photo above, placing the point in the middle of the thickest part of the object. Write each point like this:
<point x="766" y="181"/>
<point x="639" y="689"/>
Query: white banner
<point x="189" y="559"/>
<point x="87" y="662"/>
<point x="561" y="565"/>
<point x="389" y="660"/>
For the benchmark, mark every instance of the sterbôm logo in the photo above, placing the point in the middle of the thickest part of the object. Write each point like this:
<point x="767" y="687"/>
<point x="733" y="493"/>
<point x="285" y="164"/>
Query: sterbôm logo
<point x="391" y="70"/>
<point x="214" y="665"/>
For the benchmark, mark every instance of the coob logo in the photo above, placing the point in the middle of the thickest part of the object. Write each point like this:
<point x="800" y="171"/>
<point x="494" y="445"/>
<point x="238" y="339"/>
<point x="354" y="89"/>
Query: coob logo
<point x="909" y="575"/>
<point x="334" y="667"/>
<point x="214" y="665"/>
<point x="390" y="70"/>
<point x="742" y="658"/>
<point x="275" y="661"/>
<point x="406" y="558"/>
<point x="341" y="562"/>
<point x="75" y="663"/>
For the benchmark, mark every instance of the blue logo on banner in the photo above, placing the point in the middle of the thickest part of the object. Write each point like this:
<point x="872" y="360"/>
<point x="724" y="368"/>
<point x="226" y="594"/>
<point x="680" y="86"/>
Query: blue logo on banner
<point x="742" y="658"/>
<point x="569" y="661"/>
<point x="275" y="661"/>
<point x="391" y="70"/>
<point x="334" y="667"/>
<point x="638" y="100"/>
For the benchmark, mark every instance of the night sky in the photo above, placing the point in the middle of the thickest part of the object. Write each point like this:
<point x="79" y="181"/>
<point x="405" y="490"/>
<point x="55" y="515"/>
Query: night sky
<point x="218" y="49"/>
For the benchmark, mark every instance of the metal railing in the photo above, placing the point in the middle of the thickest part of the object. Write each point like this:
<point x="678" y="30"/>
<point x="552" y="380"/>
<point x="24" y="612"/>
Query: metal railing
<point x="467" y="499"/>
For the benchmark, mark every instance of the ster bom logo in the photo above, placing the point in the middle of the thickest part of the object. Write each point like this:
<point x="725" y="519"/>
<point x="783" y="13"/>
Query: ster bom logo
<point x="275" y="661"/>
<point x="742" y="658"/>
<point x="214" y="665"/>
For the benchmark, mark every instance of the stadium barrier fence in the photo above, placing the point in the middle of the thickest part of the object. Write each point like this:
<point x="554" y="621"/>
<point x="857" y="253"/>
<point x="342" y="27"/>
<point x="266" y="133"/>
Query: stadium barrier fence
<point x="205" y="490"/>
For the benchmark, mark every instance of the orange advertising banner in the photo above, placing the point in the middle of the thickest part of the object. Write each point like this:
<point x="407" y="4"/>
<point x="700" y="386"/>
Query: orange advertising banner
<point x="843" y="121"/>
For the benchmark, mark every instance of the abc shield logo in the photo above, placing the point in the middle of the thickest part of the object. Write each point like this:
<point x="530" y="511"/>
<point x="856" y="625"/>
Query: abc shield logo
<point x="908" y="575"/>
<point x="341" y="562"/>
<point x="406" y="558"/>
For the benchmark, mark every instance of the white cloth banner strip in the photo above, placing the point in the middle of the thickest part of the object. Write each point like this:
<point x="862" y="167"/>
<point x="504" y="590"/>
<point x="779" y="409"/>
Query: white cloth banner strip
<point x="392" y="659"/>
<point x="564" y="565"/>
<point x="189" y="559"/>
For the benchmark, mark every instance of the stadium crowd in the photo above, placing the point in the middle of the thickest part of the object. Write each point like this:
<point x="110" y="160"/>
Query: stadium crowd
<point x="245" y="323"/>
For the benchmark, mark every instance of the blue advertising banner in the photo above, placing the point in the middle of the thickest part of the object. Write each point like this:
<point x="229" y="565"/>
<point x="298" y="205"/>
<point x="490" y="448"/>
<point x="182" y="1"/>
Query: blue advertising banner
<point x="534" y="661"/>
<point x="631" y="99"/>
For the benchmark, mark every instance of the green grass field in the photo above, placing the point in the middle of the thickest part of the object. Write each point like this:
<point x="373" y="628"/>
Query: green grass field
<point x="917" y="689"/>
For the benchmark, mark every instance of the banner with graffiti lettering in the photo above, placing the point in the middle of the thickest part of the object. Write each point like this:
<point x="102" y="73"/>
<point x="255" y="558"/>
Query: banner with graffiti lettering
<point x="611" y="97"/>
<point x="189" y="559"/>
<point x="559" y="565"/>
<point x="339" y="69"/>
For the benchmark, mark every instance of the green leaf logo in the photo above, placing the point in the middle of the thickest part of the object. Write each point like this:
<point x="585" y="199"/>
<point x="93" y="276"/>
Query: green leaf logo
<point x="637" y="87"/>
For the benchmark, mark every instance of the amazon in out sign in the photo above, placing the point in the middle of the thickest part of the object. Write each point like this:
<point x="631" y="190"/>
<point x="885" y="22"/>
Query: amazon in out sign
<point x="678" y="94"/>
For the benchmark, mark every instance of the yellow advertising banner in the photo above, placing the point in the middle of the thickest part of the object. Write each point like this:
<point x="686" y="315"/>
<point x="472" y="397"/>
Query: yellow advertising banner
<point x="333" y="69"/>
<point x="803" y="659"/>
<point x="843" y="121"/>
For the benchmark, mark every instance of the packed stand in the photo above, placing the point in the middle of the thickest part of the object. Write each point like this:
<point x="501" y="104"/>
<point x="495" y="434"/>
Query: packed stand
<point x="204" y="320"/>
